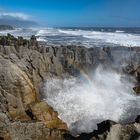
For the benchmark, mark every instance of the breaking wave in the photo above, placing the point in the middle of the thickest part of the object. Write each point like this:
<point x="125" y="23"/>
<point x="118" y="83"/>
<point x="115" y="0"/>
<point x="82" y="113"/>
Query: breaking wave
<point x="87" y="38"/>
<point x="106" y="95"/>
<point x="118" y="37"/>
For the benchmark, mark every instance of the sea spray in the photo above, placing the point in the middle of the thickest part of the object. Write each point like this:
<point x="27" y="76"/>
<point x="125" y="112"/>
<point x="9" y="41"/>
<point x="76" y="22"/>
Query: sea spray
<point x="84" y="102"/>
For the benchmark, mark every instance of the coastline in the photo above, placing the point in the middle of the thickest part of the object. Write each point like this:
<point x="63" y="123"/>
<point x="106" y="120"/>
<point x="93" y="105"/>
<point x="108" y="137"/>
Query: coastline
<point x="24" y="66"/>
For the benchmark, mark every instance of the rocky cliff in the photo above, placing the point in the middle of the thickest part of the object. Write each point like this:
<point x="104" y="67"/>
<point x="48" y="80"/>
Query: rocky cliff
<point x="25" y="65"/>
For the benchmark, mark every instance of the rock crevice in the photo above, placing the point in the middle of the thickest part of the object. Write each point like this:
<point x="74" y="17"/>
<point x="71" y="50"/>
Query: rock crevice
<point x="24" y="66"/>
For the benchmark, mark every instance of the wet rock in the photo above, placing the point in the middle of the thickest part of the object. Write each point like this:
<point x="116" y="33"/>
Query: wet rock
<point x="25" y="65"/>
<point x="46" y="114"/>
<point x="109" y="130"/>
<point x="137" y="90"/>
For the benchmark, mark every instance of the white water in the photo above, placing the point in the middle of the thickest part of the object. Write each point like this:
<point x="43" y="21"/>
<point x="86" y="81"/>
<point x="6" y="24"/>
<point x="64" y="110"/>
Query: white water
<point x="87" y="38"/>
<point x="105" y="96"/>
<point x="119" y="37"/>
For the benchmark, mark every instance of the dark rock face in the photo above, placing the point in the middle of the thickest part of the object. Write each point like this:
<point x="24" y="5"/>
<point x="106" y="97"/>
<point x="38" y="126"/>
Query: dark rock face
<point x="103" y="128"/>
<point x="25" y="64"/>
<point x="10" y="40"/>
<point x="109" y="130"/>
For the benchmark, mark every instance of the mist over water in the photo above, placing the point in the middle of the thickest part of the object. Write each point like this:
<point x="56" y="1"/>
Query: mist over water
<point x="84" y="102"/>
<point x="88" y="37"/>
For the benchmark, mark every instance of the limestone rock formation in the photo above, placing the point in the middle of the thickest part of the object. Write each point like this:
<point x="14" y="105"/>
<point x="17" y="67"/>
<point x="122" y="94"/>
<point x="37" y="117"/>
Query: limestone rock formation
<point x="22" y="70"/>
<point x="25" y="65"/>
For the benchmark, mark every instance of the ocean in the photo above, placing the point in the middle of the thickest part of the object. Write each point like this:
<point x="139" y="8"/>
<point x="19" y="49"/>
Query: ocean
<point x="86" y="36"/>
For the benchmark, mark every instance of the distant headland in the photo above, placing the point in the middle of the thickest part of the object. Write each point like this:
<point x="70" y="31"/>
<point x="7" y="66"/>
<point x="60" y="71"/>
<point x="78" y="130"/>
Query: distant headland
<point x="6" y="27"/>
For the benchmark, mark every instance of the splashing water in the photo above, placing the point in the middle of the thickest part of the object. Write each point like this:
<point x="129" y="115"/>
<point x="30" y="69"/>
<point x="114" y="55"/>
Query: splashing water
<point x="84" y="103"/>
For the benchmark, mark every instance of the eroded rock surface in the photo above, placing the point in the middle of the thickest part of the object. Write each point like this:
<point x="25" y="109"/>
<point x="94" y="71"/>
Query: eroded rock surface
<point x="25" y="65"/>
<point x="23" y="114"/>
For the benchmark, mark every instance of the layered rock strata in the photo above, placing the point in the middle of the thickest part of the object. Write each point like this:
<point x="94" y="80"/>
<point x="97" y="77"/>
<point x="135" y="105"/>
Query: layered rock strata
<point x="25" y="65"/>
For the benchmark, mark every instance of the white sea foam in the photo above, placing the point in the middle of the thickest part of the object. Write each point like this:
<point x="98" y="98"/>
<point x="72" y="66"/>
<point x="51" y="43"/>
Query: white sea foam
<point x="119" y="31"/>
<point x="5" y="32"/>
<point x="105" y="96"/>
<point x="47" y="32"/>
<point x="42" y="32"/>
<point x="118" y="38"/>
<point x="41" y="39"/>
<point x="26" y="33"/>
<point x="89" y="38"/>
<point x="115" y="38"/>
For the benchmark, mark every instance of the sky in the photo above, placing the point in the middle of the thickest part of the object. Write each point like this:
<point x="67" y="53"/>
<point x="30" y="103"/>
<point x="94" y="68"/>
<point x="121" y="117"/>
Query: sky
<point x="74" y="13"/>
